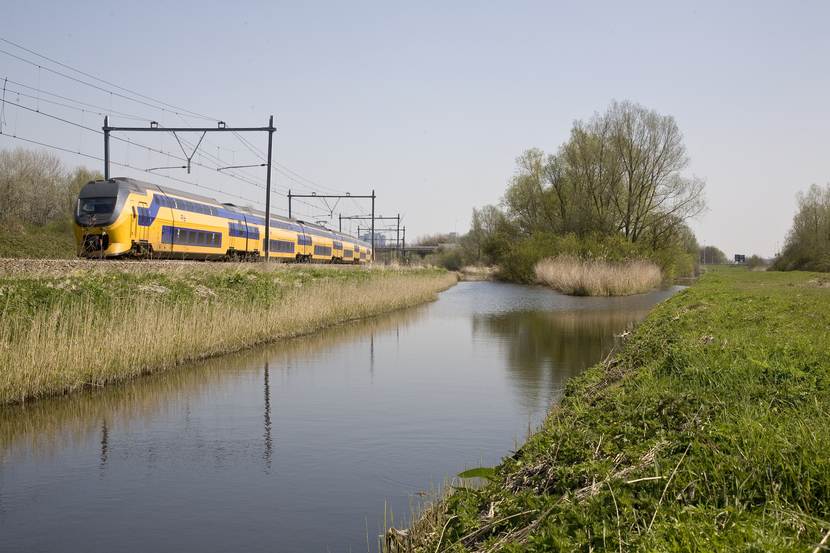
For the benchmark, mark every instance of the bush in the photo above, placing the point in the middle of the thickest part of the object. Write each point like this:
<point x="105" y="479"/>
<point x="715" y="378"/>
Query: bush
<point x="756" y="262"/>
<point x="451" y="259"/>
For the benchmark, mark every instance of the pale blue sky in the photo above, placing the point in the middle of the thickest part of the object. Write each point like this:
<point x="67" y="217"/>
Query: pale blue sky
<point x="430" y="102"/>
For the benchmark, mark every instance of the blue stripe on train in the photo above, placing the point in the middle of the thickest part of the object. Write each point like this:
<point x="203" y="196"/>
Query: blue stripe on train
<point x="146" y="216"/>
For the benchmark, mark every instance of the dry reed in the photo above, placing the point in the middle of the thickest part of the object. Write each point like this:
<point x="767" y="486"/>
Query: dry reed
<point x="577" y="277"/>
<point x="74" y="345"/>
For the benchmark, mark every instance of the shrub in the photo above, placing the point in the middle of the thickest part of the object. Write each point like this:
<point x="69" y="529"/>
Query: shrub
<point x="451" y="259"/>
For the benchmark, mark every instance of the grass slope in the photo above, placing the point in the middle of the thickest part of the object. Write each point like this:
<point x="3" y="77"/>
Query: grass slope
<point x="108" y="322"/>
<point x="54" y="240"/>
<point x="709" y="431"/>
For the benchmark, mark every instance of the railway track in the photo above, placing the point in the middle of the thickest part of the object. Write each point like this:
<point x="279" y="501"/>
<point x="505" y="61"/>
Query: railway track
<point x="15" y="267"/>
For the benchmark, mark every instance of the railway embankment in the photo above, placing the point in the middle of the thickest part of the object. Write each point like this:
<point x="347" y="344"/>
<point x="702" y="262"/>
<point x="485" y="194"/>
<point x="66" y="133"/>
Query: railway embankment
<point x="707" y="431"/>
<point x="69" y="324"/>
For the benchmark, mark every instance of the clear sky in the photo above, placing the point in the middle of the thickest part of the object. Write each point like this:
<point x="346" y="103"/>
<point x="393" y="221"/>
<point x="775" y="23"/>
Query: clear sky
<point x="429" y="103"/>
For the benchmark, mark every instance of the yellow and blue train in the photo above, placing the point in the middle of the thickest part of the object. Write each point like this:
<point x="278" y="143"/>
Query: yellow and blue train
<point x="123" y="217"/>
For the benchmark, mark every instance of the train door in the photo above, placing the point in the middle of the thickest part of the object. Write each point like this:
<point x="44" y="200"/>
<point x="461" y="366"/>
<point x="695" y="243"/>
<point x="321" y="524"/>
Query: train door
<point x="305" y="243"/>
<point x="142" y="231"/>
<point x="247" y="233"/>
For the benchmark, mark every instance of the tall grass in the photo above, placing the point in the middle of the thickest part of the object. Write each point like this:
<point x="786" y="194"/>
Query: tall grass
<point x="80" y="341"/>
<point x="578" y="277"/>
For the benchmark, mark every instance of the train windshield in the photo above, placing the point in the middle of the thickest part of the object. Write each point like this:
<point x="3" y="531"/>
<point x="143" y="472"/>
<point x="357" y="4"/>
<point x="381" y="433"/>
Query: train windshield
<point x="92" y="206"/>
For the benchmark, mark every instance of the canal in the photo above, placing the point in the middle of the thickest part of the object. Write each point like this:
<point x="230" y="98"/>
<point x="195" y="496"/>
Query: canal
<point x="304" y="444"/>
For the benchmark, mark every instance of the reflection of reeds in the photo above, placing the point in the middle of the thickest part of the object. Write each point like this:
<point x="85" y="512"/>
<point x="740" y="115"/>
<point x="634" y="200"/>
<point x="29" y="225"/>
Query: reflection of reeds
<point x="578" y="277"/>
<point x="75" y="344"/>
<point x="47" y="425"/>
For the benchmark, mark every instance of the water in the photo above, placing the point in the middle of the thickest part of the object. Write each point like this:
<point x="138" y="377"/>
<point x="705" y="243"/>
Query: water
<point x="301" y="445"/>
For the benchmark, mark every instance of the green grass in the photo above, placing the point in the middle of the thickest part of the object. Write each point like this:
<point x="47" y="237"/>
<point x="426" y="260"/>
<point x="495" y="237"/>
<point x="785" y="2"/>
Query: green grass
<point x="708" y="431"/>
<point x="54" y="241"/>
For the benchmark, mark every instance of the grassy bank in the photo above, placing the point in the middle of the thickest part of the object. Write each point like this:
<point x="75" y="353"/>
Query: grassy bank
<point x="69" y="325"/>
<point x="54" y="240"/>
<point x="597" y="277"/>
<point x="708" y="431"/>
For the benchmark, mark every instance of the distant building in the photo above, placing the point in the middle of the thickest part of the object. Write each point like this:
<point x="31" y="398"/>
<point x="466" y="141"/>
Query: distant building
<point x="380" y="240"/>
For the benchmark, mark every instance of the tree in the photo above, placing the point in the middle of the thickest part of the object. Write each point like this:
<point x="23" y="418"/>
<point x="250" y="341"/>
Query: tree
<point x="616" y="189"/>
<point x="30" y="186"/>
<point x="651" y="155"/>
<point x="808" y="242"/>
<point x="35" y="187"/>
<point x="711" y="255"/>
<point x="489" y="235"/>
<point x="619" y="172"/>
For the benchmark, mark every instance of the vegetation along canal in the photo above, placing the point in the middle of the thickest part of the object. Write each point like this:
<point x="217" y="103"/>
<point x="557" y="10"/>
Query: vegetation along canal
<point x="300" y="445"/>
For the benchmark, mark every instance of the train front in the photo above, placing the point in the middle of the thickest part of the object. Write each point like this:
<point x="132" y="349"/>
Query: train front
<point x="102" y="224"/>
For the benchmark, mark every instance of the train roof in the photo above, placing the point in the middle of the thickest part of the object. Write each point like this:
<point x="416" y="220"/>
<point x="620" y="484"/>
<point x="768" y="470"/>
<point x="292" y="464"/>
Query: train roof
<point x="105" y="187"/>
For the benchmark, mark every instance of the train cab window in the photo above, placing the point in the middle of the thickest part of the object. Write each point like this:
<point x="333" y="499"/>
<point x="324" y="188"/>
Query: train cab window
<point x="90" y="206"/>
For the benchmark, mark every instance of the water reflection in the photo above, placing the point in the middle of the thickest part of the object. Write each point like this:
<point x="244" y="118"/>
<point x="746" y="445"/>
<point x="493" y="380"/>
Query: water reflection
<point x="104" y="444"/>
<point x="267" y="436"/>
<point x="545" y="348"/>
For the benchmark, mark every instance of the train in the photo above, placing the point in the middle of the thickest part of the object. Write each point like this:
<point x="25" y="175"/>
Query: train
<point x="123" y="217"/>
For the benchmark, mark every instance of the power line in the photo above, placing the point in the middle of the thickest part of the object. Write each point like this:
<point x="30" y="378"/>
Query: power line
<point x="127" y="165"/>
<point x="66" y="66"/>
<point x="250" y="146"/>
<point x="79" y="102"/>
<point x="84" y="127"/>
<point x="128" y="141"/>
<point x="176" y="110"/>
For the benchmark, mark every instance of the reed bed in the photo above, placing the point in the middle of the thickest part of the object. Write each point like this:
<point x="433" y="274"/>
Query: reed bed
<point x="592" y="277"/>
<point x="62" y="335"/>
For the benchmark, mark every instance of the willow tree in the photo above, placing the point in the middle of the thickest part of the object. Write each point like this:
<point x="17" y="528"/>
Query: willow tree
<point x="622" y="171"/>
<point x="651" y="156"/>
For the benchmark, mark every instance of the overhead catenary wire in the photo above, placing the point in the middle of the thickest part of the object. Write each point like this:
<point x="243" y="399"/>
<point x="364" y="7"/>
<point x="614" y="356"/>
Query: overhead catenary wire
<point x="126" y="165"/>
<point x="124" y="140"/>
<point x="105" y="111"/>
<point x="176" y="110"/>
<point x="173" y="109"/>
<point x="133" y="167"/>
<point x="141" y="99"/>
